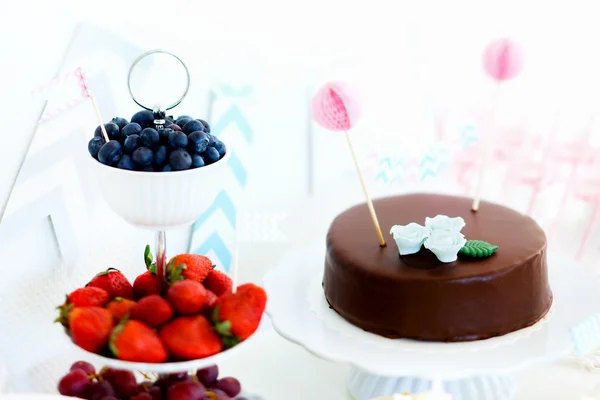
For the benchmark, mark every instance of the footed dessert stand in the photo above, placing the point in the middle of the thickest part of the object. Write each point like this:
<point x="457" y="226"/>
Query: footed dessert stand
<point x="161" y="201"/>
<point x="477" y="370"/>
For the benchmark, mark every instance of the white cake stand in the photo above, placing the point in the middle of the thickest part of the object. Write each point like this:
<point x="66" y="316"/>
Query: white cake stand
<point x="478" y="370"/>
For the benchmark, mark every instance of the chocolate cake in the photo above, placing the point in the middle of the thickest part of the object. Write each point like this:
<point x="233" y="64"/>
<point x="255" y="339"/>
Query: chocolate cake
<point x="417" y="296"/>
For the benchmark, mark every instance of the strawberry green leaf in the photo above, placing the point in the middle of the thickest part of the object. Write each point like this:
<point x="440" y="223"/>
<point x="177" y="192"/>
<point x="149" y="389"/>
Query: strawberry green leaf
<point x="223" y="328"/>
<point x="116" y="332"/>
<point x="477" y="249"/>
<point x="230" y="341"/>
<point x="215" y="316"/>
<point x="174" y="272"/>
<point x="148" y="256"/>
<point x="64" y="311"/>
<point x="152" y="268"/>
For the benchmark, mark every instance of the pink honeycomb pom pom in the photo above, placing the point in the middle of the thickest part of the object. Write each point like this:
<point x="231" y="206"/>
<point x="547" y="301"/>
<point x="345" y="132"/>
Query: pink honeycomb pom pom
<point x="503" y="59"/>
<point x="335" y="107"/>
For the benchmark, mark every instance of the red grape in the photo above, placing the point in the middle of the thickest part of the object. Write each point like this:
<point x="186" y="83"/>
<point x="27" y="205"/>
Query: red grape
<point x="208" y="376"/>
<point x="100" y="391"/>
<point x="84" y="366"/>
<point x="216" y="394"/>
<point x="156" y="393"/>
<point x="109" y="398"/>
<point x="141" y="396"/>
<point x="145" y="386"/>
<point x="74" y="384"/>
<point x="122" y="381"/>
<point x="187" y="390"/>
<point x="229" y="385"/>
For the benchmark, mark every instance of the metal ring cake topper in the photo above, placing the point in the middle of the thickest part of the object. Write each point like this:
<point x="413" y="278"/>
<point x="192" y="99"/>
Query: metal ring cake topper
<point x="140" y="58"/>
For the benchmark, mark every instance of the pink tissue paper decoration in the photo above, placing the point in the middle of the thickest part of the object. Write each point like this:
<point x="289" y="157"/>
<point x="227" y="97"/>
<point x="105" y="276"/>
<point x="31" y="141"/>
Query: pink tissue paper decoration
<point x="66" y="90"/>
<point x="503" y="59"/>
<point x="335" y="107"/>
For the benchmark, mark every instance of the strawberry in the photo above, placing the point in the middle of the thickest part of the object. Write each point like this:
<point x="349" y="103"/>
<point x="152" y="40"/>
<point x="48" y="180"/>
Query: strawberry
<point x="190" y="338"/>
<point x="188" y="266"/>
<point x="145" y="285"/>
<point x="120" y="307"/>
<point x="187" y="297"/>
<point x="114" y="282"/>
<point x="88" y="297"/>
<point x="82" y="297"/>
<point x="90" y="327"/>
<point x="134" y="341"/>
<point x="237" y="315"/>
<point x="211" y="301"/>
<point x="218" y="282"/>
<point x="152" y="310"/>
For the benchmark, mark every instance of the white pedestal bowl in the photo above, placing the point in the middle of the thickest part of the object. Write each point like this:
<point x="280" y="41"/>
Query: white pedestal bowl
<point x="160" y="200"/>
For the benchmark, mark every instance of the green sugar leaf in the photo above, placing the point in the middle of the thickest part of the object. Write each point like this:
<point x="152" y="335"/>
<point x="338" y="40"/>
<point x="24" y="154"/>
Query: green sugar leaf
<point x="477" y="249"/>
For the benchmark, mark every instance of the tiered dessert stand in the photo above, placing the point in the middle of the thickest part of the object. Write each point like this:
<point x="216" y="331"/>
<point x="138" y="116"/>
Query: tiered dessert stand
<point x="161" y="201"/>
<point x="478" y="370"/>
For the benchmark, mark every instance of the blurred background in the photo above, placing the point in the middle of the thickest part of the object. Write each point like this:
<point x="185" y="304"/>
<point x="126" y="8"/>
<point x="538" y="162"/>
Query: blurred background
<point x="254" y="66"/>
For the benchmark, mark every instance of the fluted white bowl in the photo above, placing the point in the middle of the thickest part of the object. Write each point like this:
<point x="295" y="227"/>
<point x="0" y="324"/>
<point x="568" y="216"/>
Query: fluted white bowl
<point x="161" y="200"/>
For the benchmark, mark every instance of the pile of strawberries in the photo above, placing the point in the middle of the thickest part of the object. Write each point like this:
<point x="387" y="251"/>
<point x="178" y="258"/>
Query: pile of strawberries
<point x="198" y="316"/>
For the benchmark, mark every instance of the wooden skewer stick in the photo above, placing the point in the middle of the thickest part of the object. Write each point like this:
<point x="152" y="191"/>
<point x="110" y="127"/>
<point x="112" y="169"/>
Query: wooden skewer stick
<point x="84" y="86"/>
<point x="487" y="145"/>
<point x="364" y="187"/>
<point x="99" y="118"/>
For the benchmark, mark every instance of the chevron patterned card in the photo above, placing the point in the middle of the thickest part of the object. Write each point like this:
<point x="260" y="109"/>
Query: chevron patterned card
<point x="213" y="232"/>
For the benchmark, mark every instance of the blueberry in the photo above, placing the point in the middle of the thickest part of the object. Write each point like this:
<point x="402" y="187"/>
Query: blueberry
<point x="211" y="155"/>
<point x="149" y="137"/>
<point x="193" y="126"/>
<point x="142" y="157"/>
<point x="180" y="160"/>
<point x="163" y="134"/>
<point x="197" y="161"/>
<point x="212" y="139"/>
<point x="206" y="125"/>
<point x="181" y="118"/>
<point x="147" y="169"/>
<point x="145" y="118"/>
<point x="167" y="168"/>
<point x="110" y="153"/>
<point x="182" y="121"/>
<point x="178" y="140"/>
<point x="131" y="143"/>
<point x="220" y="146"/>
<point x="112" y="130"/>
<point x="121" y="122"/>
<point x="131" y="129"/>
<point x="126" y="163"/>
<point x="198" y="141"/>
<point x="160" y="156"/>
<point x="175" y="127"/>
<point x="94" y="146"/>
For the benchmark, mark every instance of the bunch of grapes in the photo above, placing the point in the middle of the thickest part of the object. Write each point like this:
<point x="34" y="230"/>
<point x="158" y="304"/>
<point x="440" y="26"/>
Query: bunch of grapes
<point x="84" y="382"/>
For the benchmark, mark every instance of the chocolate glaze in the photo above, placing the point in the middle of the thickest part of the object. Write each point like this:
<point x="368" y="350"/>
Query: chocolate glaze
<point x="417" y="296"/>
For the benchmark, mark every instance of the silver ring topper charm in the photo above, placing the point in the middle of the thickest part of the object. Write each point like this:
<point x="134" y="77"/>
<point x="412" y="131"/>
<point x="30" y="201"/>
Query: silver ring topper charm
<point x="158" y="110"/>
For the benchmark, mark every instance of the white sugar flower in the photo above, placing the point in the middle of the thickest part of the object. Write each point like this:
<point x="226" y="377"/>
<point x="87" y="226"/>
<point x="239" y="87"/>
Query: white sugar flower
<point x="409" y="238"/>
<point x="445" y="223"/>
<point x="445" y="244"/>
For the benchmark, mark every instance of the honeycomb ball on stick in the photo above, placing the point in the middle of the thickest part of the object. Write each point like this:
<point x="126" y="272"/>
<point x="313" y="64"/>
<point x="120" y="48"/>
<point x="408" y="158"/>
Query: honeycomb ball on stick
<point x="503" y="59"/>
<point x="335" y="106"/>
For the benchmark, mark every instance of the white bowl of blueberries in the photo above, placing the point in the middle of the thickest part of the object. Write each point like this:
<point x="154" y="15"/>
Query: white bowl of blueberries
<point x="158" y="176"/>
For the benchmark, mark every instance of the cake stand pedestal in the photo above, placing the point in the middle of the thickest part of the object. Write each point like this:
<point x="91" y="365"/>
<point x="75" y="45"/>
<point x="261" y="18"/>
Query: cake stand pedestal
<point x="382" y="367"/>
<point x="363" y="386"/>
